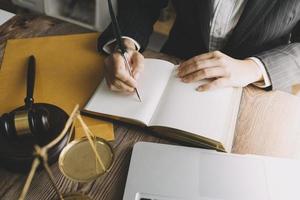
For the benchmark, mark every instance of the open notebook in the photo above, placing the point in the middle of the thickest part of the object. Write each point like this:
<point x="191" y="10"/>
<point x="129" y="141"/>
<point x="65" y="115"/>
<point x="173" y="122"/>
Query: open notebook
<point x="173" y="108"/>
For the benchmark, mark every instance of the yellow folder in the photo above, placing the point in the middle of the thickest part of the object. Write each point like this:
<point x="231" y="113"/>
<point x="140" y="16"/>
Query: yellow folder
<point x="68" y="71"/>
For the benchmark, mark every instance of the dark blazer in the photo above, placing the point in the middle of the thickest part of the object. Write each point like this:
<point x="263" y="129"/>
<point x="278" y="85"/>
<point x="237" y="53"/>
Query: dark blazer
<point x="267" y="29"/>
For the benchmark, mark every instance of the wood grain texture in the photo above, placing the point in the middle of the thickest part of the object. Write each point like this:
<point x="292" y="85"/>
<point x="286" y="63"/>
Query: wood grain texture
<point x="268" y="124"/>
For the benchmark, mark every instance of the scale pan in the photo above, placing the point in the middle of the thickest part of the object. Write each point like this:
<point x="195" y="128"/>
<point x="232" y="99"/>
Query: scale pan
<point x="78" y="162"/>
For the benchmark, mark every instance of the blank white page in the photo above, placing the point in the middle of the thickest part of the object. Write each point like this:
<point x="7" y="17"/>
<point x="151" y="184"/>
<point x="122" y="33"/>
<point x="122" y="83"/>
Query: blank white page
<point x="208" y="114"/>
<point x="5" y="16"/>
<point x="151" y="85"/>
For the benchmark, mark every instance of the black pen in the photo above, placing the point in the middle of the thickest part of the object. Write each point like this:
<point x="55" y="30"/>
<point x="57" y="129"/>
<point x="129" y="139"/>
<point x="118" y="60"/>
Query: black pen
<point x="117" y="34"/>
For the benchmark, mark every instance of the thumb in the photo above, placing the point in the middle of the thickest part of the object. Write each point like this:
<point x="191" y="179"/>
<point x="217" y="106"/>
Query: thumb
<point x="216" y="84"/>
<point x="137" y="61"/>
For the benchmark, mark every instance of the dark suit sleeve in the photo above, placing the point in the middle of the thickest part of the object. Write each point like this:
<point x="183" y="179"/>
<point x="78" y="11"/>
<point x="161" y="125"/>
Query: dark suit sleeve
<point x="136" y="19"/>
<point x="283" y="63"/>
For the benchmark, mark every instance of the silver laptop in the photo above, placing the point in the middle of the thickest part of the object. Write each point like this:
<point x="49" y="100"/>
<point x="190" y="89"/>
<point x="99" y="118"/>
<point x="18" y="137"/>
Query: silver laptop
<point x="167" y="172"/>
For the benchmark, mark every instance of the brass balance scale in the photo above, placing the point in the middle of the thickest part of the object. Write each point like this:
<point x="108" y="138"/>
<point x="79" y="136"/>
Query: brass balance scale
<point x="95" y="152"/>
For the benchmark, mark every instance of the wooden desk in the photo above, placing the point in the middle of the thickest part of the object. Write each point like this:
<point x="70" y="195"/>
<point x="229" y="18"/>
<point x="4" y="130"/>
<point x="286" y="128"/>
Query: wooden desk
<point x="268" y="124"/>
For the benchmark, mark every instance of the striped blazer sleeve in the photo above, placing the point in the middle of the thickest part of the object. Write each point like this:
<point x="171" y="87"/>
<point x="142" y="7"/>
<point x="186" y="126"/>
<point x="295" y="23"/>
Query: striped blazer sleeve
<point x="283" y="63"/>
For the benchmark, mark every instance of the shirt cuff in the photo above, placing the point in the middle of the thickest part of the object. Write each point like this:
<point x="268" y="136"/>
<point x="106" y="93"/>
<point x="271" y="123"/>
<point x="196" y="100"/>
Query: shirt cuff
<point x="109" y="50"/>
<point x="266" y="82"/>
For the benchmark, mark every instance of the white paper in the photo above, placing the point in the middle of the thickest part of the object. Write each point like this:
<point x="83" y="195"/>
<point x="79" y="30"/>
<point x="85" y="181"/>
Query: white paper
<point x="205" y="113"/>
<point x="151" y="85"/>
<point x="5" y="16"/>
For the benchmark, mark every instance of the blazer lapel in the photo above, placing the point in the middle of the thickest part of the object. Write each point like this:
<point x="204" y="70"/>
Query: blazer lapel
<point x="254" y="12"/>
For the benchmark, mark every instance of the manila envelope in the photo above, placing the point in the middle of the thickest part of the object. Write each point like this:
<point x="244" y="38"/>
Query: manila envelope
<point x="68" y="71"/>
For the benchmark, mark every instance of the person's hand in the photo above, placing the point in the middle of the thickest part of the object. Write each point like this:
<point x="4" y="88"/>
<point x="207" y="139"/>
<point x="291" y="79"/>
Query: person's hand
<point x="222" y="70"/>
<point x="116" y="73"/>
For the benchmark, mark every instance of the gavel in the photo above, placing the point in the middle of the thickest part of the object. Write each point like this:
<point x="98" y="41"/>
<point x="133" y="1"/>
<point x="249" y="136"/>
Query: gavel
<point x="29" y="120"/>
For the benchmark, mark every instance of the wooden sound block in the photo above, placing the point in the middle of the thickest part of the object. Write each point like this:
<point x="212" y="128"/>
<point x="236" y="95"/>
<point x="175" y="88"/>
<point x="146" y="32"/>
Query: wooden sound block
<point x="17" y="155"/>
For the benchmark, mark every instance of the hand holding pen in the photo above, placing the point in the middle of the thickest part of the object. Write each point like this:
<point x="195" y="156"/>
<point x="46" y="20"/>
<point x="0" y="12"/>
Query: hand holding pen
<point x="128" y="61"/>
<point x="117" y="76"/>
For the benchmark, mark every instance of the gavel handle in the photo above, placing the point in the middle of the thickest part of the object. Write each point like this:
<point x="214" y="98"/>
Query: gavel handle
<point x="30" y="82"/>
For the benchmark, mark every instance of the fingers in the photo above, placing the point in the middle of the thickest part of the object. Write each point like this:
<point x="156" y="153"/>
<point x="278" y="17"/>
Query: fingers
<point x="123" y="75"/>
<point x="205" y="56"/>
<point x="117" y="75"/>
<point x="137" y="63"/>
<point x="216" y="84"/>
<point x="199" y="65"/>
<point x="208" y="60"/>
<point x="120" y="86"/>
<point x="206" y="73"/>
<point x="117" y="85"/>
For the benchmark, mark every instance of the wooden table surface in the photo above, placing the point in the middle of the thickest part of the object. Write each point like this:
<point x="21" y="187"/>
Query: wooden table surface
<point x="268" y="124"/>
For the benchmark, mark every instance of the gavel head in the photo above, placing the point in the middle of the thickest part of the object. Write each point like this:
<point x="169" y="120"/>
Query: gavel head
<point x="25" y="122"/>
<point x="22" y="129"/>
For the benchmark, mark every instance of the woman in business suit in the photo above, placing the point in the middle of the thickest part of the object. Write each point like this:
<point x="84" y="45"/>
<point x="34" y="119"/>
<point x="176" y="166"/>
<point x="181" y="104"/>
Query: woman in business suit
<point x="234" y="43"/>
